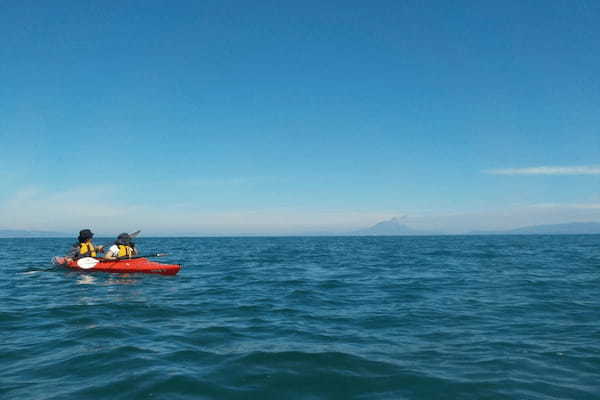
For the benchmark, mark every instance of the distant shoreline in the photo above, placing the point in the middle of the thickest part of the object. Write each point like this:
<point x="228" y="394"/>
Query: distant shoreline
<point x="251" y="236"/>
<point x="385" y="228"/>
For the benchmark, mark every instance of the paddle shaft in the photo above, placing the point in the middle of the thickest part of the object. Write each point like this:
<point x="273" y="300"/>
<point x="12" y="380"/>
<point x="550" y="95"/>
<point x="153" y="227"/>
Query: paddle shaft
<point x="91" y="262"/>
<point x="130" y="258"/>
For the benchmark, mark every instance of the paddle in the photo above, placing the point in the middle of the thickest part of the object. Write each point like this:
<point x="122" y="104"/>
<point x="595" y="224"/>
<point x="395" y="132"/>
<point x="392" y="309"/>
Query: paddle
<point x="90" y="262"/>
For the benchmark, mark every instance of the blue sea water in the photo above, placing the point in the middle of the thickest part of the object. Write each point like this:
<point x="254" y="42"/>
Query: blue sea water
<point x="473" y="317"/>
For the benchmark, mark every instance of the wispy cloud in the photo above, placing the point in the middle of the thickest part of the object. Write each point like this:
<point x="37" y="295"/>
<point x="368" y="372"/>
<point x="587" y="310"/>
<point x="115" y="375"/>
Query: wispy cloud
<point x="574" y="206"/>
<point x="103" y="210"/>
<point x="99" y="208"/>
<point x="548" y="170"/>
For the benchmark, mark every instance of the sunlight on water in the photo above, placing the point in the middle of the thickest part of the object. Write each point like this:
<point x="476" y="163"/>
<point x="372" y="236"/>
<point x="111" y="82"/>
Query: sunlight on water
<point x="86" y="280"/>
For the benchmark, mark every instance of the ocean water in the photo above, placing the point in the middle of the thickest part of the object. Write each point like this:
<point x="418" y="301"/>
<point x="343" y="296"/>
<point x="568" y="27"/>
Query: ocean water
<point x="473" y="317"/>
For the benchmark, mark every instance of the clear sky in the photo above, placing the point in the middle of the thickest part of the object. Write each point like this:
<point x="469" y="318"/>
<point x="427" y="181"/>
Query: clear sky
<point x="225" y="117"/>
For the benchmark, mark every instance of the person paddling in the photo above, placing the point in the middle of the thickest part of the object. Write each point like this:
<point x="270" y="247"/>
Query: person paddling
<point x="123" y="247"/>
<point x="84" y="246"/>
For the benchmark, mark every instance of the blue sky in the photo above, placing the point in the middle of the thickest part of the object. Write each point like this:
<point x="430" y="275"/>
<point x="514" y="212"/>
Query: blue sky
<point x="287" y="117"/>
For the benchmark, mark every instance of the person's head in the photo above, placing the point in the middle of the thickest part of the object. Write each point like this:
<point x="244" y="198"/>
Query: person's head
<point x="85" y="235"/>
<point x="124" y="239"/>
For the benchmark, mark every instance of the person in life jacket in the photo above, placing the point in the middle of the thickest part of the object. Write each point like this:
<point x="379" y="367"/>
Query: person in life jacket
<point x="123" y="248"/>
<point x="84" y="246"/>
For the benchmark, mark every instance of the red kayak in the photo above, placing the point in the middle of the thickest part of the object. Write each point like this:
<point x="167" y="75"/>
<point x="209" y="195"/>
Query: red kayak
<point x="128" y="266"/>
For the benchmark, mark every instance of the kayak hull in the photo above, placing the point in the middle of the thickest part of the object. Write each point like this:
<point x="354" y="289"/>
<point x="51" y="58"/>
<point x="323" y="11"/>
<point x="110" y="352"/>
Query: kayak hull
<point x="135" y="265"/>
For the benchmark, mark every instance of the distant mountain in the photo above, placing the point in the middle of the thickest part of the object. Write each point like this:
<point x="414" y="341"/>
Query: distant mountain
<point x="17" y="233"/>
<point x="573" y="228"/>
<point x="391" y="227"/>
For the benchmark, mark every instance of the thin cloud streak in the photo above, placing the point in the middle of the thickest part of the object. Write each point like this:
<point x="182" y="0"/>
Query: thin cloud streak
<point x="38" y="209"/>
<point x="580" y="206"/>
<point x="87" y="206"/>
<point x="548" y="170"/>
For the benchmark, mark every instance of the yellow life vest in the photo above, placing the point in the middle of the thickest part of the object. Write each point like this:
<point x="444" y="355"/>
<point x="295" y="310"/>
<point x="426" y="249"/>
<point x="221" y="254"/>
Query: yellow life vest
<point x="87" y="250"/>
<point x="125" y="251"/>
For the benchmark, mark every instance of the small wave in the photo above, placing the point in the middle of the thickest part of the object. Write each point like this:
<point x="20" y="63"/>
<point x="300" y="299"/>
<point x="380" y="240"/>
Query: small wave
<point x="35" y="271"/>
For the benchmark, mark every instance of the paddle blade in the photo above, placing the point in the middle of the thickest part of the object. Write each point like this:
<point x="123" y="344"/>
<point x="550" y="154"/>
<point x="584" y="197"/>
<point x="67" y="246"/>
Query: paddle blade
<point x="134" y="234"/>
<point x="87" y="262"/>
<point x="56" y="260"/>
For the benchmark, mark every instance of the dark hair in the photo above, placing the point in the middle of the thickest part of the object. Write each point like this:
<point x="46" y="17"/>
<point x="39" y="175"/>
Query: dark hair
<point x="124" y="239"/>
<point x="84" y="235"/>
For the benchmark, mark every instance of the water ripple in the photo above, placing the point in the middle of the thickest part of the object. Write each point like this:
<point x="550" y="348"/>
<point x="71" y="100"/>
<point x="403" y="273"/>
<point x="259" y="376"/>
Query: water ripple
<point x="308" y="318"/>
